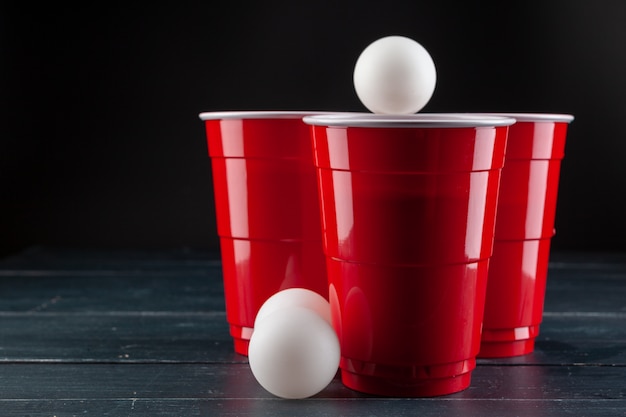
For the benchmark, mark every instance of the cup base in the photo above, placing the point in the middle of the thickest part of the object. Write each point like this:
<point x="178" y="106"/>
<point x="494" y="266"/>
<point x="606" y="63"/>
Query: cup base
<point x="409" y="381"/>
<point x="241" y="338"/>
<point x="506" y="349"/>
<point x="504" y="343"/>
<point x="407" y="388"/>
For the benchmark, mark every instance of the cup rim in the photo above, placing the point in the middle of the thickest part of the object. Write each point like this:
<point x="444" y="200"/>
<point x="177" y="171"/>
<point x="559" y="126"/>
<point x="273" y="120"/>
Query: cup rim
<point x="419" y="120"/>
<point x="259" y="114"/>
<point x="535" y="117"/>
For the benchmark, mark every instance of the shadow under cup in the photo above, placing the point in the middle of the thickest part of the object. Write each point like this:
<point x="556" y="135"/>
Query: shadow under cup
<point x="266" y="209"/>
<point x="524" y="229"/>
<point x="408" y="208"/>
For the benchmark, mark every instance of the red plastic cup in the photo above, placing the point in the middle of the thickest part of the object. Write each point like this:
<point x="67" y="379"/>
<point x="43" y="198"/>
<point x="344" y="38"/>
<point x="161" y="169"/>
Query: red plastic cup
<point x="267" y="211"/>
<point x="524" y="229"/>
<point x="408" y="207"/>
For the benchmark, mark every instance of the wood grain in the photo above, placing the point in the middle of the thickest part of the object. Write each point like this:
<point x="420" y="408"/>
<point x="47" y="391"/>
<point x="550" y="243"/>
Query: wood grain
<point x="145" y="333"/>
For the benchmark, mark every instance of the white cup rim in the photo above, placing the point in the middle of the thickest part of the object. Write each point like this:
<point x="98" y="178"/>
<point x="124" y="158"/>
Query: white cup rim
<point x="259" y="114"/>
<point x="535" y="117"/>
<point x="419" y="120"/>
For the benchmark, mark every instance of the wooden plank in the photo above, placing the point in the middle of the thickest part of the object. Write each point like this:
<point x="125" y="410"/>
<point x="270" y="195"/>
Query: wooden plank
<point x="575" y="288"/>
<point x="54" y="258"/>
<point x="203" y="337"/>
<point x="597" y="260"/>
<point x="21" y="382"/>
<point x="116" y="337"/>
<point x="567" y="339"/>
<point x="132" y="333"/>
<point x="312" y="408"/>
<point x="200" y="289"/>
<point x="70" y="280"/>
<point x="168" y="407"/>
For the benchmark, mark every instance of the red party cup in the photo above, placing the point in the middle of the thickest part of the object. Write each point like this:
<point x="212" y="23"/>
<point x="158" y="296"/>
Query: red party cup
<point x="524" y="229"/>
<point x="266" y="209"/>
<point x="408" y="206"/>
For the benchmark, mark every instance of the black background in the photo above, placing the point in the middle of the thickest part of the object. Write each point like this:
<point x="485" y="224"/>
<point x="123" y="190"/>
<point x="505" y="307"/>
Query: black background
<point x="101" y="145"/>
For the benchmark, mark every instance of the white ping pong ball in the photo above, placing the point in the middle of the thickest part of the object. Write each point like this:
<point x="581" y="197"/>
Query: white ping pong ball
<point x="394" y="75"/>
<point x="294" y="353"/>
<point x="302" y="297"/>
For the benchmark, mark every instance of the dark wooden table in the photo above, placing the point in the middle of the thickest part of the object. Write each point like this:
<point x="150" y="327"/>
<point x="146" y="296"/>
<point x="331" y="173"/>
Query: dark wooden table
<point x="145" y="334"/>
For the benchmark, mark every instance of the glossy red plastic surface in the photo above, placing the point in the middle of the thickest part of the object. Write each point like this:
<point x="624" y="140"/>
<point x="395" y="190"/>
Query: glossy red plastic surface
<point x="267" y="214"/>
<point x="421" y="218"/>
<point x="407" y="330"/>
<point x="530" y="180"/>
<point x="515" y="297"/>
<point x="527" y="203"/>
<point x="524" y="227"/>
<point x="254" y="270"/>
<point x="263" y="198"/>
<point x="408" y="221"/>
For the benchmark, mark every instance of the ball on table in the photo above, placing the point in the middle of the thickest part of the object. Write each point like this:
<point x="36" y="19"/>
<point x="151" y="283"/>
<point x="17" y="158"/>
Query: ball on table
<point x="294" y="352"/>
<point x="395" y="75"/>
